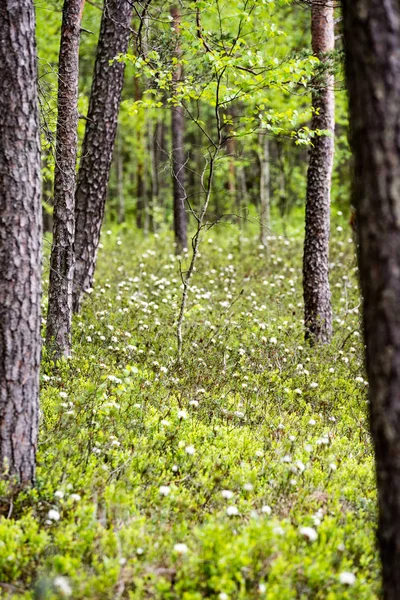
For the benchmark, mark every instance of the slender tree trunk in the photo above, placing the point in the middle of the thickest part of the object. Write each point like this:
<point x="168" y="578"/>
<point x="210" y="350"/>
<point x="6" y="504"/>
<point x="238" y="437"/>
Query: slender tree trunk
<point x="120" y="180"/>
<point x="317" y="296"/>
<point x="62" y="260"/>
<point x="98" y="143"/>
<point x="372" y="43"/>
<point x="231" y="151"/>
<point x="20" y="241"/>
<point x="265" y="217"/>
<point x="178" y="153"/>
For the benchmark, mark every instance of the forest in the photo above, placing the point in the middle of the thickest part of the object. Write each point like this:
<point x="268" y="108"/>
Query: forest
<point x="199" y="299"/>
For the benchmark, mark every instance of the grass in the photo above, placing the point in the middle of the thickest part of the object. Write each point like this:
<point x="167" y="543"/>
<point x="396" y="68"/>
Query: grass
<point x="246" y="472"/>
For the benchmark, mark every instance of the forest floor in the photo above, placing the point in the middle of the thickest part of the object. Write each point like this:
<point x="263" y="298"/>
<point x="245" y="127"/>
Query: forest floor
<point x="245" y="472"/>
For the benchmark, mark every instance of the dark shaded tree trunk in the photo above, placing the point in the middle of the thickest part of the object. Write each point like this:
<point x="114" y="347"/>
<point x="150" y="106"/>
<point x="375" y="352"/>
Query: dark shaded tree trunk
<point x="98" y="144"/>
<point x="178" y="152"/>
<point x="62" y="260"/>
<point x="372" y="42"/>
<point x="317" y="295"/>
<point x="20" y="242"/>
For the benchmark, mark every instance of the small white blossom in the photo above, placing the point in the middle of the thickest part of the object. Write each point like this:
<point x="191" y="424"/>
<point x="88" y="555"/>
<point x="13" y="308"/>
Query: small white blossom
<point x="227" y="494"/>
<point x="62" y="585"/>
<point x="53" y="515"/>
<point x="164" y="490"/>
<point x="347" y="578"/>
<point x="232" y="511"/>
<point x="309" y="533"/>
<point x="181" y="548"/>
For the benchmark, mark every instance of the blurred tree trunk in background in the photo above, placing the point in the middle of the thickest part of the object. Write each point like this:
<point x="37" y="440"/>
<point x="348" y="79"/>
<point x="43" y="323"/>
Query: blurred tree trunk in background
<point x="98" y="143"/>
<point x="20" y="242"/>
<point x="59" y="315"/>
<point x="265" y="208"/>
<point x="317" y="295"/>
<point x="178" y="153"/>
<point x="372" y="43"/>
<point x="120" y="179"/>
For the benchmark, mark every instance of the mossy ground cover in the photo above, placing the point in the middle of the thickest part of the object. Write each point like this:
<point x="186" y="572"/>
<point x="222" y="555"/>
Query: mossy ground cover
<point x="245" y="472"/>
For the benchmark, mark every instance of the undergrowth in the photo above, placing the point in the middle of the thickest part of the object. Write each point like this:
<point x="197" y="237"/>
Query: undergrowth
<point x="245" y="472"/>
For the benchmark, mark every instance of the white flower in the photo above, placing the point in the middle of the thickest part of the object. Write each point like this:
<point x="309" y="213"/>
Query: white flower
<point x="227" y="494"/>
<point x="262" y="588"/>
<point x="332" y="467"/>
<point x="164" y="490"/>
<point x="181" y="548"/>
<point x="190" y="450"/>
<point x="347" y="578"/>
<point x="309" y="533"/>
<point x="75" y="497"/>
<point x="63" y="586"/>
<point x="232" y="511"/>
<point x="53" y="514"/>
<point x="63" y="395"/>
<point x="273" y="340"/>
<point x="311" y="422"/>
<point x="266" y="509"/>
<point x="313" y="384"/>
<point x="182" y="414"/>
<point x="139" y="551"/>
<point x="248" y="487"/>
<point x="223" y="596"/>
<point x="59" y="494"/>
<point x="194" y="403"/>
<point x="298" y="391"/>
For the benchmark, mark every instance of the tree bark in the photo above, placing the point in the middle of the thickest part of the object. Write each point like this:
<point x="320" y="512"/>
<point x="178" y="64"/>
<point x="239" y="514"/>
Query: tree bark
<point x="317" y="296"/>
<point x="62" y="260"/>
<point x="20" y="241"/>
<point x="178" y="153"/>
<point x="98" y="143"/>
<point x="372" y="43"/>
<point x="265" y="217"/>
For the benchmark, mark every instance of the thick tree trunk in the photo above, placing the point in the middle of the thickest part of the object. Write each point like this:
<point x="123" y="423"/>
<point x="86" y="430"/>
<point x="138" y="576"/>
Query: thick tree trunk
<point x="98" y="144"/>
<point x="317" y="296"/>
<point x="265" y="216"/>
<point x="372" y="42"/>
<point x="59" y="315"/>
<point x="20" y="241"/>
<point x="178" y="153"/>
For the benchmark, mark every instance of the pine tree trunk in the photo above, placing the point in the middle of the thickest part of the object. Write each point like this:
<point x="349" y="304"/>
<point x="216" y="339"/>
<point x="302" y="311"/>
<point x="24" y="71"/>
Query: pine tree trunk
<point x="265" y="217"/>
<point x="372" y="42"/>
<point x="98" y="144"/>
<point x="20" y="241"/>
<point x="62" y="260"/>
<point x="178" y="153"/>
<point x="317" y="296"/>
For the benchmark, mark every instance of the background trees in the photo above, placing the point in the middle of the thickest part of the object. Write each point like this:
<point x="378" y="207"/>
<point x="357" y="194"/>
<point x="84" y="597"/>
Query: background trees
<point x="20" y="242"/>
